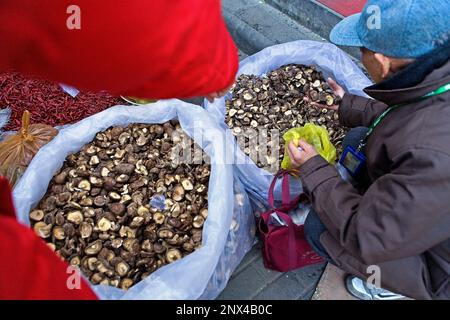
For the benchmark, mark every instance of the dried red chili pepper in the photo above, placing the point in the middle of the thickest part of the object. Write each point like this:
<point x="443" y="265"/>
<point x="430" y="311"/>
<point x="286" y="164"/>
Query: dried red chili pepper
<point x="47" y="102"/>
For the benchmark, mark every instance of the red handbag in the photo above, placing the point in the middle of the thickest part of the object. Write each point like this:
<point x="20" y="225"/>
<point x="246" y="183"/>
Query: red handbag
<point x="284" y="247"/>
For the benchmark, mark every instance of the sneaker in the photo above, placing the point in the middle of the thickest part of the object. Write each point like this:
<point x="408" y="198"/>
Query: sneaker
<point x="361" y="290"/>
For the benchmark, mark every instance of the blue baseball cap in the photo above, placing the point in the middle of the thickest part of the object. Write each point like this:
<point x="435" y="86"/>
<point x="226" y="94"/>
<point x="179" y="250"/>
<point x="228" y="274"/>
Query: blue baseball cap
<point x="396" y="28"/>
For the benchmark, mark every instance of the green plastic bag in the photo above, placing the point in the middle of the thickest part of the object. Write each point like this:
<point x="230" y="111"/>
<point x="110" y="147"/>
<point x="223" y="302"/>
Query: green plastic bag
<point x="315" y="135"/>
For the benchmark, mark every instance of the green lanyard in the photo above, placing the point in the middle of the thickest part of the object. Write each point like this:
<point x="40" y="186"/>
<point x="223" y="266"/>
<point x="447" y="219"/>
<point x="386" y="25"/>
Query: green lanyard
<point x="436" y="92"/>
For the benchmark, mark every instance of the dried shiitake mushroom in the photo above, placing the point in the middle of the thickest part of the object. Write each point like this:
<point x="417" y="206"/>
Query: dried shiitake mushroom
<point x="42" y="229"/>
<point x="204" y="213"/>
<point x="173" y="255"/>
<point x="59" y="233"/>
<point x="126" y="283"/>
<point x="279" y="101"/>
<point x="37" y="215"/>
<point x="120" y="208"/>
<point x="104" y="224"/>
<point x="178" y="193"/>
<point x="85" y="230"/>
<point x="122" y="268"/>
<point x="198" y="221"/>
<point x="93" y="248"/>
<point x="75" y="217"/>
<point x="159" y="217"/>
<point x="164" y="233"/>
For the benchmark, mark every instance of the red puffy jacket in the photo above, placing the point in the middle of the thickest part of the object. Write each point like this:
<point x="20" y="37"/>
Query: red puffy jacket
<point x="152" y="49"/>
<point x="28" y="268"/>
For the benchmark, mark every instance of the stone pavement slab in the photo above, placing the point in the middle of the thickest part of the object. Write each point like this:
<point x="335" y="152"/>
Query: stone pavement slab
<point x="332" y="285"/>
<point x="251" y="280"/>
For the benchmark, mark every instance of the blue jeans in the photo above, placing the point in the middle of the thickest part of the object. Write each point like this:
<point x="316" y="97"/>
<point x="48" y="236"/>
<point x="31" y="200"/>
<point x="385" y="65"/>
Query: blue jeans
<point x="313" y="225"/>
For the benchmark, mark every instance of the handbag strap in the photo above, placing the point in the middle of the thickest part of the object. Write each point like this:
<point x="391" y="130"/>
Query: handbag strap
<point x="293" y="251"/>
<point x="285" y="191"/>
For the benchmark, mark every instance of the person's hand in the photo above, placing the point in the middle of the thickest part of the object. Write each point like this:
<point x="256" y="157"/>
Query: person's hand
<point x="301" y="153"/>
<point x="210" y="97"/>
<point x="337" y="90"/>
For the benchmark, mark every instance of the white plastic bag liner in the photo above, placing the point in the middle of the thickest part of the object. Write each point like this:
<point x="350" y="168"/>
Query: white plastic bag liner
<point x="328" y="58"/>
<point x="198" y="273"/>
<point x="237" y="245"/>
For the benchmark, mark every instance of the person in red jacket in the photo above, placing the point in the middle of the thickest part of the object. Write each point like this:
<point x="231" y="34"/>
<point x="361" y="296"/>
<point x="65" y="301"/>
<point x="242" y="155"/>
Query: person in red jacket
<point x="28" y="268"/>
<point x="148" y="49"/>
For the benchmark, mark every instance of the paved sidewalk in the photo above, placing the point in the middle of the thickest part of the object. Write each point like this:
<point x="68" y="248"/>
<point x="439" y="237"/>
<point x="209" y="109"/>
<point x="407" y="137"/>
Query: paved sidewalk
<point x="252" y="281"/>
<point x="256" y="25"/>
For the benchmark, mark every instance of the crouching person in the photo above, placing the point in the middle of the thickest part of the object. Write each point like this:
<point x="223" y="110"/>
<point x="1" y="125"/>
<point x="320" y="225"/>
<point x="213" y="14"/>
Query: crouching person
<point x="397" y="218"/>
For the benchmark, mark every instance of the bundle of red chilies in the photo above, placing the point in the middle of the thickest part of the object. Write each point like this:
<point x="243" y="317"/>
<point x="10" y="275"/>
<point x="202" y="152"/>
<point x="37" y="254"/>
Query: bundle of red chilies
<point x="47" y="102"/>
